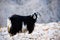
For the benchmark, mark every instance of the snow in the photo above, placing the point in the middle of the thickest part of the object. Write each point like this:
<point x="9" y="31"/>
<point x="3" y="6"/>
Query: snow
<point x="48" y="31"/>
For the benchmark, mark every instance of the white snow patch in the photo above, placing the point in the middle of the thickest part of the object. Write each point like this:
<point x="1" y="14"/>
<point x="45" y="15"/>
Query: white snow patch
<point x="49" y="31"/>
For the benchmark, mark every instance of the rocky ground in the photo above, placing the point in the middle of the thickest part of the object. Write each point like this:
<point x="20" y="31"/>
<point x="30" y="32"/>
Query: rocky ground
<point x="48" y="31"/>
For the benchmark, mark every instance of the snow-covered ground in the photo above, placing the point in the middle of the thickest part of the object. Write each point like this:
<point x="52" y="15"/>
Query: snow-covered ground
<point x="48" y="31"/>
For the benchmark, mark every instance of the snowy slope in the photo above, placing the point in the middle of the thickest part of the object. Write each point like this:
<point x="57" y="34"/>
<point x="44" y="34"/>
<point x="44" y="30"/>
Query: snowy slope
<point x="49" y="31"/>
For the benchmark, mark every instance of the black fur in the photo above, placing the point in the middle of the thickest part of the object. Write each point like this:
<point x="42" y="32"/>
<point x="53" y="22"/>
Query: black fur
<point x="16" y="21"/>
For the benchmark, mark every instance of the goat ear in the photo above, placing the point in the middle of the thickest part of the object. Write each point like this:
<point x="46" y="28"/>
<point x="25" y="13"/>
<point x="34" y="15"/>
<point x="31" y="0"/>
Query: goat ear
<point x="34" y="16"/>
